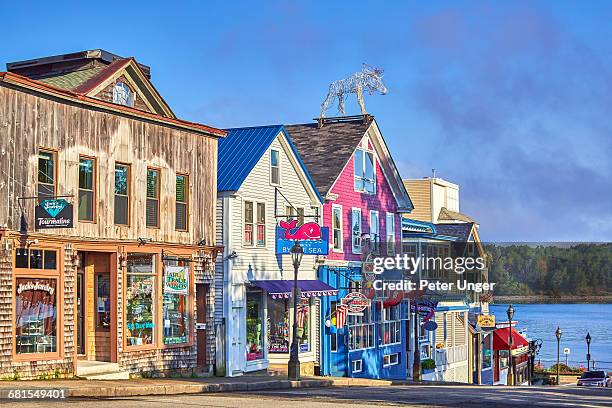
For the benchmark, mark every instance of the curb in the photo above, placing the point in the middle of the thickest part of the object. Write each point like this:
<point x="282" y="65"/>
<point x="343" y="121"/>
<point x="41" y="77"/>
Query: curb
<point x="174" y="389"/>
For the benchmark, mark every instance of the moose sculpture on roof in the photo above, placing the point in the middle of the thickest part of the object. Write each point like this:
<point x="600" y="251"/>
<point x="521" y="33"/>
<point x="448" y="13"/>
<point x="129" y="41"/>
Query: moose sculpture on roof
<point x="368" y="79"/>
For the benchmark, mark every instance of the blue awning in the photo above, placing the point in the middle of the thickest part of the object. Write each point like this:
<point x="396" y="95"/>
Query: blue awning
<point x="283" y="288"/>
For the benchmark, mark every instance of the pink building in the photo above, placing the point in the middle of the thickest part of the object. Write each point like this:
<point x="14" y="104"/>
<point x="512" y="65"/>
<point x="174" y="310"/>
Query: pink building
<point x="364" y="197"/>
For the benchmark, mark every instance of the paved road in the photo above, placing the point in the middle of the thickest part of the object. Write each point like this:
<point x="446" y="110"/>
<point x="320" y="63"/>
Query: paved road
<point x="341" y="397"/>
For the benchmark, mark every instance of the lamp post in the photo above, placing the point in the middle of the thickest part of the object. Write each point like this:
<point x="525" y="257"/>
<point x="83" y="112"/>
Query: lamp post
<point x="558" y="333"/>
<point x="293" y="367"/>
<point x="588" y="340"/>
<point x="510" y="313"/>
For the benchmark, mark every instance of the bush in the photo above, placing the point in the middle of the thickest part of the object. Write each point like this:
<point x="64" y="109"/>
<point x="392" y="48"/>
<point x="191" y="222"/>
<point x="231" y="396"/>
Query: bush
<point x="428" y="364"/>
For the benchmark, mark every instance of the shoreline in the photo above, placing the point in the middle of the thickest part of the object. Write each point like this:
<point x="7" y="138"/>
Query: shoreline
<point x="504" y="299"/>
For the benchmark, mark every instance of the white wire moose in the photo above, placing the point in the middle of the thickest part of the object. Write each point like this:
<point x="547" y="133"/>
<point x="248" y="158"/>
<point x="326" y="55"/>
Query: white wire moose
<point x="368" y="79"/>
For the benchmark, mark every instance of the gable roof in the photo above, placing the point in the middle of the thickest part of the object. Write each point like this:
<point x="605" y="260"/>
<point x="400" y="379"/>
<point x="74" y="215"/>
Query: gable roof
<point x="448" y="215"/>
<point x="327" y="149"/>
<point x="327" y="145"/>
<point x="242" y="149"/>
<point x="461" y="231"/>
<point x="22" y="82"/>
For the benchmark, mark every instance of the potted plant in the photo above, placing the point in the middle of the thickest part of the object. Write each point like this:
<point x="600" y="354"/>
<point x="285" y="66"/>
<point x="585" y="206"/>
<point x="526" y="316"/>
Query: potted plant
<point x="428" y="366"/>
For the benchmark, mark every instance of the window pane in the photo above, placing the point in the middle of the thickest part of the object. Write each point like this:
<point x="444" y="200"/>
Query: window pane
<point x="46" y="167"/>
<point x="278" y="329"/>
<point x="303" y="320"/>
<point x="46" y="191"/>
<point x="248" y="211"/>
<point x="176" y="318"/>
<point x="261" y="212"/>
<point x="36" y="259"/>
<point x="50" y="259"/>
<point x="359" y="163"/>
<point x="36" y="315"/>
<point x="21" y="258"/>
<point x="86" y="205"/>
<point x="275" y="175"/>
<point x="121" y="179"/>
<point x="369" y="166"/>
<point x="86" y="174"/>
<point x="152" y="214"/>
<point x="274" y="158"/>
<point x="102" y="292"/>
<point x="121" y="210"/>
<point x="140" y="292"/>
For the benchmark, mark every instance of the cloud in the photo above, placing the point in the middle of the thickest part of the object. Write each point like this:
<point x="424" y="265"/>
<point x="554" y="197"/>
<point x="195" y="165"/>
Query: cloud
<point x="522" y="103"/>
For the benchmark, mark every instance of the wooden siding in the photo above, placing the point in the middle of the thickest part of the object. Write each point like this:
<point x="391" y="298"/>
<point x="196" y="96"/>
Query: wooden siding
<point x="29" y="121"/>
<point x="420" y="193"/>
<point x="383" y="201"/>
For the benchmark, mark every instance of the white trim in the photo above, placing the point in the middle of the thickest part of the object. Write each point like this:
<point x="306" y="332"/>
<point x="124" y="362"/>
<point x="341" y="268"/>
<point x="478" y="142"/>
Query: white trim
<point x="365" y="150"/>
<point x="353" y="370"/>
<point x="341" y="243"/>
<point x="377" y="218"/>
<point x="354" y="249"/>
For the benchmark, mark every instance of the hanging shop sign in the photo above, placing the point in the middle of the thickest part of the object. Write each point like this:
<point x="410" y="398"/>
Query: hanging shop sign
<point x="425" y="309"/>
<point x="356" y="302"/>
<point x="54" y="213"/>
<point x="313" y="238"/>
<point x="486" y="321"/>
<point x="430" y="325"/>
<point x="176" y="280"/>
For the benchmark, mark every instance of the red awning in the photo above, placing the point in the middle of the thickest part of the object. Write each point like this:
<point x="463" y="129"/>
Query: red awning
<point x="500" y="339"/>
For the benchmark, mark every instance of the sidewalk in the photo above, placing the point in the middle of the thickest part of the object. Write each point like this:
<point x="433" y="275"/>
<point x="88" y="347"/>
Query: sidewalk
<point x="170" y="386"/>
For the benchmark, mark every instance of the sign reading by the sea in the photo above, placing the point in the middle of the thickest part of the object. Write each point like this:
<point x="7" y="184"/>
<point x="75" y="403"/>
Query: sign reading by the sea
<point x="176" y="280"/>
<point x="313" y="238"/>
<point x="54" y="213"/>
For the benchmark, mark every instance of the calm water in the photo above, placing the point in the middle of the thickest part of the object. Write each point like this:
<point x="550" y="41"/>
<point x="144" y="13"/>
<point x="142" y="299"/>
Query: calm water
<point x="575" y="320"/>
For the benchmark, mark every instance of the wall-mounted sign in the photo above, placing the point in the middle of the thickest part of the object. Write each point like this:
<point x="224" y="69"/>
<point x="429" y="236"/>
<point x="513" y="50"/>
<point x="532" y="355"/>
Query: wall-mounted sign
<point x="486" y="321"/>
<point x="313" y="238"/>
<point x="176" y="280"/>
<point x="356" y="302"/>
<point x="426" y="309"/>
<point x="30" y="285"/>
<point x="54" y="213"/>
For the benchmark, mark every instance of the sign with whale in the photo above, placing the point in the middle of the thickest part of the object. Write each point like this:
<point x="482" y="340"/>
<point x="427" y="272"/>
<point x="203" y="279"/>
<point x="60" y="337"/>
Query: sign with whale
<point x="313" y="238"/>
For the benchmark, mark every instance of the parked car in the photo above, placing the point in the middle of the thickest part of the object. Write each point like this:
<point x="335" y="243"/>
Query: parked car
<point x="595" y="379"/>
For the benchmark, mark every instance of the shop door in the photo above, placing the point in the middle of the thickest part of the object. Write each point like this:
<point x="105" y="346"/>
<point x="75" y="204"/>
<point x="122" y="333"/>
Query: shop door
<point x="96" y="303"/>
<point x="201" y="291"/>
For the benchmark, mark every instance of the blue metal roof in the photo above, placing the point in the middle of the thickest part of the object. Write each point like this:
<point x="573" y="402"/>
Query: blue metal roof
<point x="242" y="148"/>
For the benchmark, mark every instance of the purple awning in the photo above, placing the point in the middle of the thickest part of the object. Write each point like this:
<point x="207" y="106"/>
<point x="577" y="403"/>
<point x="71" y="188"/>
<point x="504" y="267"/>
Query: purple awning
<point x="283" y="288"/>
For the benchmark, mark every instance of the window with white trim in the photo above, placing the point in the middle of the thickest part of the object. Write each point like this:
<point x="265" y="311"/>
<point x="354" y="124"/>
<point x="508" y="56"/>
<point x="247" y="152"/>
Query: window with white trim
<point x="357" y="366"/>
<point x="356" y="230"/>
<point x="122" y="94"/>
<point x="337" y="227"/>
<point x="390" y="325"/>
<point x="274" y="167"/>
<point x="390" y="224"/>
<point x="374" y="232"/>
<point x="361" y="330"/>
<point x="261" y="224"/>
<point x="390" y="359"/>
<point x="248" y="223"/>
<point x="365" y="177"/>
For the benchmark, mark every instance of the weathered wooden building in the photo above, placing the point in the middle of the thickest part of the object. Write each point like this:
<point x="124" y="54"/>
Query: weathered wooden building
<point x="125" y="287"/>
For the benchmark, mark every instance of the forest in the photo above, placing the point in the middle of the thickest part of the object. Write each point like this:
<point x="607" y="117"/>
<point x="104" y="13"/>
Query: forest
<point x="554" y="270"/>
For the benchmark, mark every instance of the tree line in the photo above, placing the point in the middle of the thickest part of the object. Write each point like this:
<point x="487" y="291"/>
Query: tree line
<point x="579" y="269"/>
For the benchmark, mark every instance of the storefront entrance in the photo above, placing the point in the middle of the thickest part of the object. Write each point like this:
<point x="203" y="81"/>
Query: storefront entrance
<point x="95" y="308"/>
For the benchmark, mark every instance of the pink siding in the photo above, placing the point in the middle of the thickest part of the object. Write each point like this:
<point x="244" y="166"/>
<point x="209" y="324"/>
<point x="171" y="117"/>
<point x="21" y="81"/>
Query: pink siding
<point x="383" y="202"/>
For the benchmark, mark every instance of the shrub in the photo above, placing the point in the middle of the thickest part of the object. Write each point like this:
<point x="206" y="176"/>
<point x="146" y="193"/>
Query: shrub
<point x="428" y="364"/>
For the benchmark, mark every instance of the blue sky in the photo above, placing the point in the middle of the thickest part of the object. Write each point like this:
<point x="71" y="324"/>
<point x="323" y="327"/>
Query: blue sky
<point x="511" y="100"/>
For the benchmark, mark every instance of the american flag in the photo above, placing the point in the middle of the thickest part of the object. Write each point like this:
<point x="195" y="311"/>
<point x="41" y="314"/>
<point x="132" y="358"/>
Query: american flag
<point x="341" y="312"/>
<point x="302" y="314"/>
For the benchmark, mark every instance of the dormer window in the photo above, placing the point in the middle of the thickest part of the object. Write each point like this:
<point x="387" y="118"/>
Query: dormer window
<point x="122" y="95"/>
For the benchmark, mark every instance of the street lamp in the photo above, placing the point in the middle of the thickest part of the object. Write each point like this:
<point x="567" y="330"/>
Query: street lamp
<point x="510" y="313"/>
<point x="293" y="367"/>
<point x="588" y="340"/>
<point x="558" y="333"/>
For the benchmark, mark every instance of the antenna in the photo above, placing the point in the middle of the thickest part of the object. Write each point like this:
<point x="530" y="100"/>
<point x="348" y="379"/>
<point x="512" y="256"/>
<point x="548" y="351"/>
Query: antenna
<point x="433" y="173"/>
